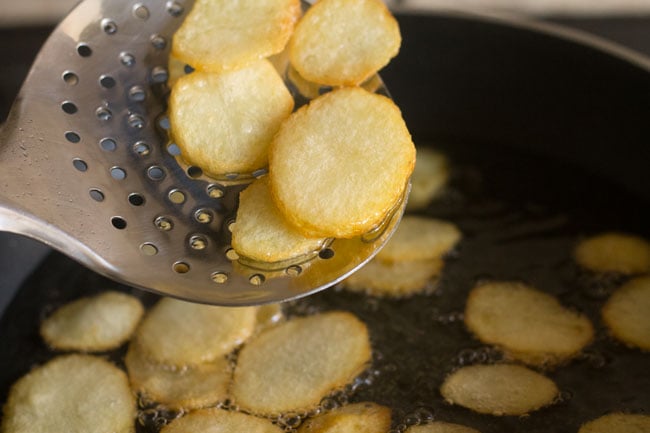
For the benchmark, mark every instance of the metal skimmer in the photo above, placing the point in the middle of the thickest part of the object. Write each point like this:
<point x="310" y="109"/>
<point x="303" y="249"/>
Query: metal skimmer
<point x="86" y="167"/>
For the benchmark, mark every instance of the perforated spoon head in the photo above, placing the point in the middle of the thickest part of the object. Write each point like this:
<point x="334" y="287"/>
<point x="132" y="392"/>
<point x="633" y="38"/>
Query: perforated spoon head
<point x="86" y="166"/>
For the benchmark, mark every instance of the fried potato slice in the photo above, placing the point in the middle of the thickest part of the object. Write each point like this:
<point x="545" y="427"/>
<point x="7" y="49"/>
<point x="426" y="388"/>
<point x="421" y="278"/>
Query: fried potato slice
<point x="618" y="423"/>
<point x="430" y="175"/>
<point x="261" y="233"/>
<point x="101" y="322"/>
<point x="440" y="427"/>
<point x="220" y="421"/>
<point x="179" y="333"/>
<point x="74" y="394"/>
<point x="614" y="252"/>
<point x="293" y="365"/>
<point x="420" y="238"/>
<point x="499" y="389"/>
<point x="339" y="165"/>
<point x="627" y="313"/>
<point x="188" y="388"/>
<point x="394" y="280"/>
<point x="530" y="325"/>
<point x="220" y="35"/>
<point x="358" y="418"/>
<point x="343" y="42"/>
<point x="224" y="123"/>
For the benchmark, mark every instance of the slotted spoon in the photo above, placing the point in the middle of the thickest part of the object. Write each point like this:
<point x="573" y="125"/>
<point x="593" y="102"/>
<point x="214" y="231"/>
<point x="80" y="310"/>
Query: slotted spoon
<point x="86" y="167"/>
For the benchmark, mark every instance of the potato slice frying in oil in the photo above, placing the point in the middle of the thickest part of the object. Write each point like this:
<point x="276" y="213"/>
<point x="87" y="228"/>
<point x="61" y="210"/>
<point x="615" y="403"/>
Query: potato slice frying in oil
<point x="498" y="389"/>
<point x="220" y="421"/>
<point x="420" y="238"/>
<point x="627" y="313"/>
<point x="429" y="177"/>
<point x="180" y="333"/>
<point x="395" y="280"/>
<point x="440" y="427"/>
<point x="530" y="325"/>
<point x="614" y="252"/>
<point x="358" y="418"/>
<point x="188" y="388"/>
<point x="343" y="42"/>
<point x="71" y="393"/>
<point x="221" y="35"/>
<point x="293" y="365"/>
<point x="97" y="323"/>
<point x="618" y="423"/>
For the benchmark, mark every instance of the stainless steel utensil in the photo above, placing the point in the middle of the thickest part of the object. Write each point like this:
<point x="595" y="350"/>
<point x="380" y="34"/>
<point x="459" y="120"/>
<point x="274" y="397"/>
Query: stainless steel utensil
<point x="86" y="167"/>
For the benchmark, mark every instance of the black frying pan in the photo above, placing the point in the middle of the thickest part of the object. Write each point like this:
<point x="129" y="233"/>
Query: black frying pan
<point x="549" y="141"/>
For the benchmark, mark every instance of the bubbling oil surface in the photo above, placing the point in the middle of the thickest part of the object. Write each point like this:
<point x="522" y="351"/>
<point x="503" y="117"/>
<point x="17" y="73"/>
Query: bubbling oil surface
<point x="520" y="217"/>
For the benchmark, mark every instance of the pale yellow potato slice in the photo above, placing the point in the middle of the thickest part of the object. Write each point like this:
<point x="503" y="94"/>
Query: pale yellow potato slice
<point x="614" y="252"/>
<point x="72" y="394"/>
<point x="293" y="365"/>
<point x="394" y="280"/>
<point x="618" y="423"/>
<point x="188" y="388"/>
<point x="343" y="42"/>
<point x="305" y="87"/>
<point x="529" y="325"/>
<point x="499" y="389"/>
<point x="220" y="421"/>
<point x="627" y="313"/>
<point x="101" y="322"/>
<point x="429" y="177"/>
<point x="354" y="418"/>
<point x="440" y="427"/>
<point x="338" y="165"/>
<point x="420" y="238"/>
<point x="219" y="35"/>
<point x="180" y="333"/>
<point x="224" y="123"/>
<point x="261" y="233"/>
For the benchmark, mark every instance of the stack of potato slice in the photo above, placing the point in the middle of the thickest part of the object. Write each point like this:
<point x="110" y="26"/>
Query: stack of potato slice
<point x="336" y="167"/>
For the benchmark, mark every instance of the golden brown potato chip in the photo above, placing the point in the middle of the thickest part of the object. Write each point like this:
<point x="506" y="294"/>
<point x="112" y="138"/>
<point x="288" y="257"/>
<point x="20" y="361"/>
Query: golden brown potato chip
<point x="72" y="394"/>
<point x="358" y="418"/>
<point x="343" y="42"/>
<point x="395" y="280"/>
<point x="420" y="238"/>
<point x="530" y="325"/>
<point x="219" y="35"/>
<point x="188" y="388"/>
<point x="440" y="427"/>
<point x="293" y="365"/>
<point x="220" y="421"/>
<point x="429" y="177"/>
<point x="101" y="322"/>
<point x="339" y="165"/>
<point x="614" y="252"/>
<point x="180" y="333"/>
<point x="224" y="123"/>
<point x="261" y="233"/>
<point x="627" y="313"/>
<point x="618" y="423"/>
<point x="498" y="389"/>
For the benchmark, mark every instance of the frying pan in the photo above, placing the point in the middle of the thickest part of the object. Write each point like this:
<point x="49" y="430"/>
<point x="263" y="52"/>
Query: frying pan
<point x="548" y="133"/>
